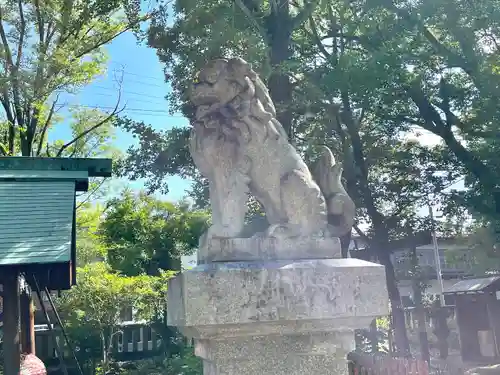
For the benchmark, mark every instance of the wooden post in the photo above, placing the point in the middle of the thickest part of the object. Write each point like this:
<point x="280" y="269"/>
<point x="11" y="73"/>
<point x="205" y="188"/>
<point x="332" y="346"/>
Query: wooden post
<point x="492" y="322"/>
<point x="11" y="347"/>
<point x="27" y="323"/>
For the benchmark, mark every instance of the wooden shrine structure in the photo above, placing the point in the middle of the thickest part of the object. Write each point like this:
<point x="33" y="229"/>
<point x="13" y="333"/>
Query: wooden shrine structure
<point x="477" y="310"/>
<point x="37" y="237"/>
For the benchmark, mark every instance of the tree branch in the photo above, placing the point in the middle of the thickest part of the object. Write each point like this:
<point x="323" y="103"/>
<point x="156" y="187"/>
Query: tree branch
<point x="432" y="120"/>
<point x="5" y="42"/>
<point x="112" y="37"/>
<point x="361" y="234"/>
<point x="94" y="190"/>
<point x="317" y="40"/>
<point x="359" y="159"/>
<point x="252" y="19"/>
<point x="39" y="21"/>
<point x="14" y="79"/>
<point x="46" y="127"/>
<point x="91" y="129"/>
<point x="304" y="14"/>
<point x="22" y="34"/>
<point x="47" y="150"/>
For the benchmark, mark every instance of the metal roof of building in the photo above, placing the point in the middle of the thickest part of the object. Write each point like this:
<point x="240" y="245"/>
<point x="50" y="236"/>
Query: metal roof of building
<point x="472" y="285"/>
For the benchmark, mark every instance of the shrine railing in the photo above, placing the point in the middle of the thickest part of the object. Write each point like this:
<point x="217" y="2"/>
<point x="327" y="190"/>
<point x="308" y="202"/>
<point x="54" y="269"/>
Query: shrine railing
<point x="379" y="364"/>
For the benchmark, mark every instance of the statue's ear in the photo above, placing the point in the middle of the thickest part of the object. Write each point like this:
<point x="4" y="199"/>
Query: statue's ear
<point x="327" y="157"/>
<point x="337" y="169"/>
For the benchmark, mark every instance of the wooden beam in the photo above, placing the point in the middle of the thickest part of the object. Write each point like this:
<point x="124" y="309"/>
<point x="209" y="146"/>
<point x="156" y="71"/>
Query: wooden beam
<point x="11" y="343"/>
<point x="27" y="322"/>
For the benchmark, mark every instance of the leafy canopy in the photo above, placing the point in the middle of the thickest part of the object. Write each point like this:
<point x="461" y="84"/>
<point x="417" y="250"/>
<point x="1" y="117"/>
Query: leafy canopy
<point x="49" y="47"/>
<point x="144" y="234"/>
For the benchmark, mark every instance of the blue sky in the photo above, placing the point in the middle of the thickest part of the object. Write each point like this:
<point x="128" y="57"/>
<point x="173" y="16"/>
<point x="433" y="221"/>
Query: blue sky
<point x="143" y="91"/>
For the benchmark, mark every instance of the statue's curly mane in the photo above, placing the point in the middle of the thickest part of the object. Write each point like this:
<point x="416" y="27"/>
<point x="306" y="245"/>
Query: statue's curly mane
<point x="252" y="105"/>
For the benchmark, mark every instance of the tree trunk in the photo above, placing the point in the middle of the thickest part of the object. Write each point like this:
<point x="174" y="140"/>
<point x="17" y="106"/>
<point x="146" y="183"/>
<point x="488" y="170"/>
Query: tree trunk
<point x="279" y="28"/>
<point x="380" y="242"/>
<point x="104" y="351"/>
<point x="441" y="329"/>
<point x="398" y="316"/>
<point x="475" y="166"/>
<point x="419" y="307"/>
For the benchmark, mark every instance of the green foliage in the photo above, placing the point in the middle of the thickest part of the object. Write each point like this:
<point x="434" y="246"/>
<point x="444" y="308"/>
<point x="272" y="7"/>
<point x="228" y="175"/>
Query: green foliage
<point x="89" y="247"/>
<point x="135" y="226"/>
<point x="168" y="155"/>
<point x="184" y="363"/>
<point x="366" y="78"/>
<point x="49" y="47"/>
<point x="480" y="250"/>
<point x="144" y="234"/>
<point x="101" y="295"/>
<point x="92" y="309"/>
<point x="93" y="133"/>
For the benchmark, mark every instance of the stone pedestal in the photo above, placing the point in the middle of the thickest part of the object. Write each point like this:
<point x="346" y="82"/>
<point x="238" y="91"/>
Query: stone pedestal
<point x="273" y="317"/>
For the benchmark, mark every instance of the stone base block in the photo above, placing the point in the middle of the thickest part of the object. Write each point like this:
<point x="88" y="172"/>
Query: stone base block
<point x="321" y="353"/>
<point x="269" y="248"/>
<point x="222" y="300"/>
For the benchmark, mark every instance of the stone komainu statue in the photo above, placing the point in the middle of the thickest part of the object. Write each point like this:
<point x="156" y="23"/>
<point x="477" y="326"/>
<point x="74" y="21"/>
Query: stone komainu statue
<point x="240" y="147"/>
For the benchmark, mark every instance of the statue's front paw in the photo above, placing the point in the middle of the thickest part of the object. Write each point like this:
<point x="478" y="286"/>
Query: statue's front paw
<point x="336" y="205"/>
<point x="221" y="232"/>
<point x="282" y="231"/>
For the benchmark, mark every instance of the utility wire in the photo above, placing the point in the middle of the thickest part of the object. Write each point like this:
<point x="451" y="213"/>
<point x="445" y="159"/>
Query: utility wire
<point x="130" y="73"/>
<point x="138" y="110"/>
<point x="114" y="90"/>
<point x="131" y="99"/>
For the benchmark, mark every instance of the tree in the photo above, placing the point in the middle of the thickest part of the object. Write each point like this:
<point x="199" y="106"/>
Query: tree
<point x="327" y="128"/>
<point x="123" y="230"/>
<point x="48" y="48"/>
<point x="144" y="234"/>
<point x="436" y="69"/>
<point x="365" y="76"/>
<point x="480" y="249"/>
<point x="89" y="247"/>
<point x="261" y="32"/>
<point x="93" y="308"/>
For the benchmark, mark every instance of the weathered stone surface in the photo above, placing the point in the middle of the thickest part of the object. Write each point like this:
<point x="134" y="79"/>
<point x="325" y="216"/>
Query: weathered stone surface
<point x="278" y="303"/>
<point x="240" y="147"/>
<point x="281" y="297"/>
<point x="269" y="248"/>
<point x="321" y="353"/>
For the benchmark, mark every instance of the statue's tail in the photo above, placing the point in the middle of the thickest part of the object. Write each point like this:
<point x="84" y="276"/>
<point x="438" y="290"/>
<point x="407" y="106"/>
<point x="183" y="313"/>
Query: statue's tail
<point x="340" y="207"/>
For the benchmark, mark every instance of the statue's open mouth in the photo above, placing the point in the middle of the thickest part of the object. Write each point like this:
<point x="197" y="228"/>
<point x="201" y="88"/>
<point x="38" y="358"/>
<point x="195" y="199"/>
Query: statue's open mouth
<point x="202" y="93"/>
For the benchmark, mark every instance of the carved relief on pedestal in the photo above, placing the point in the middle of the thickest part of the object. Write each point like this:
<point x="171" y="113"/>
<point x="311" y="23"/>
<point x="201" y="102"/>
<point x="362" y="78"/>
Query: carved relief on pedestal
<point x="299" y="292"/>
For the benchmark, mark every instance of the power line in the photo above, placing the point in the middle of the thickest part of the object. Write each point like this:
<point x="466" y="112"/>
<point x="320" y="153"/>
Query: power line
<point x="132" y="99"/>
<point x="145" y="83"/>
<point x="165" y="113"/>
<point x="115" y="90"/>
<point x="140" y="83"/>
<point x="130" y="73"/>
